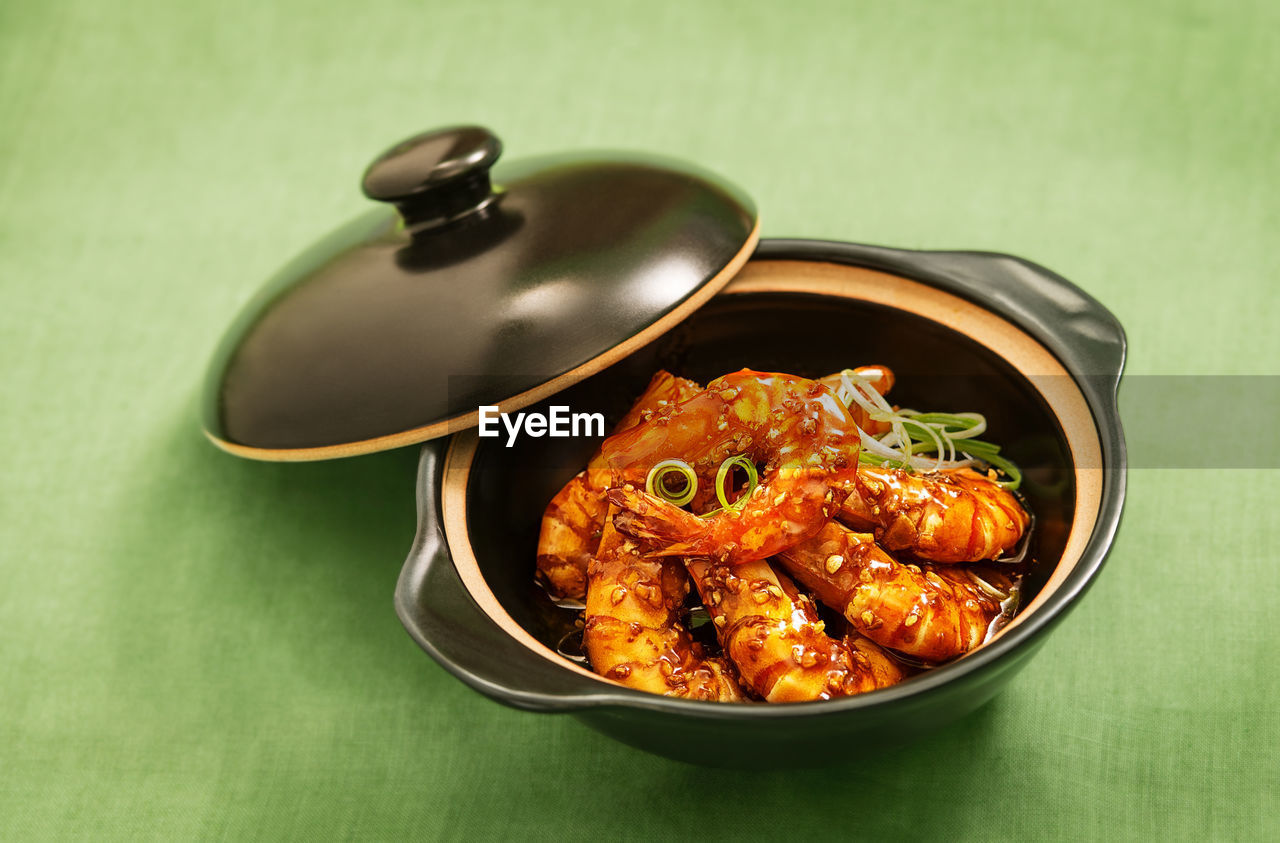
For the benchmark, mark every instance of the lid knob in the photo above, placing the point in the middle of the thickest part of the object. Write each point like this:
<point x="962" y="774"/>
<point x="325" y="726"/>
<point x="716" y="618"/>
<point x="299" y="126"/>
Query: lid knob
<point x="436" y="177"/>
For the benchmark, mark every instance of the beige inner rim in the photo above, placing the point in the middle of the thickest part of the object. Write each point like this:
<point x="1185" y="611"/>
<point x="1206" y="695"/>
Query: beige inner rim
<point x="1024" y="353"/>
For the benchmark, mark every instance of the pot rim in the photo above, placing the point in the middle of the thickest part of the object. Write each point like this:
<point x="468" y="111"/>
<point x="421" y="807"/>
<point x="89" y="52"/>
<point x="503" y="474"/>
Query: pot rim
<point x="1085" y="338"/>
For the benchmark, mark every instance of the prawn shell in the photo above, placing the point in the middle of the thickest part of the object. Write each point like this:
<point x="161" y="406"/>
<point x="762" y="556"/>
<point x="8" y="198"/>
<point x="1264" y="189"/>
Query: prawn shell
<point x="949" y="517"/>
<point x="928" y="612"/>
<point x="774" y="636"/>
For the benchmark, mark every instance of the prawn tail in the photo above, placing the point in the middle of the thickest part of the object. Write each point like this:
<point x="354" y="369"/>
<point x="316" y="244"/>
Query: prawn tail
<point x="642" y="516"/>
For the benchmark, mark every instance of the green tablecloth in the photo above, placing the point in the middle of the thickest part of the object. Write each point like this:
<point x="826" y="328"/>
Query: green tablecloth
<point x="193" y="645"/>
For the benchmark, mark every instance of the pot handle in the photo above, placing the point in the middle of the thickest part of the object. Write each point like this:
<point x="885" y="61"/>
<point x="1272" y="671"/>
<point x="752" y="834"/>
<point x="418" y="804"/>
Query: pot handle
<point x="1043" y="302"/>
<point x="439" y="613"/>
<point x="1072" y="324"/>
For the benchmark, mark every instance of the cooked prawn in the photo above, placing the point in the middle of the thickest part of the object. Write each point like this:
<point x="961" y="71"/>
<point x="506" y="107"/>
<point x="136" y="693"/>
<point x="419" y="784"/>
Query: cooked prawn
<point x="774" y="636"/>
<point x="632" y="632"/>
<point x="931" y="613"/>
<point x="571" y="525"/>
<point x="951" y="516"/>
<point x="806" y="438"/>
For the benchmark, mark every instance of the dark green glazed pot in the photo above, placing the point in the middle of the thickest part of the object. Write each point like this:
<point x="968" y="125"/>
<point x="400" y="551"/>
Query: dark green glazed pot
<point x="568" y="280"/>
<point x="504" y="491"/>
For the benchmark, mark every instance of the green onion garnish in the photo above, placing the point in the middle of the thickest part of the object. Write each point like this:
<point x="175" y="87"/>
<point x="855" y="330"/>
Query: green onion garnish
<point x="656" y="483"/>
<point x="912" y="434"/>
<point x="989" y="453"/>
<point x="726" y="469"/>
<point x="955" y="425"/>
<point x="1009" y="469"/>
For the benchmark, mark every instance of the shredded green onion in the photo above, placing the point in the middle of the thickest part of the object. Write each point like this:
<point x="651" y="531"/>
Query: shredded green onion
<point x="1007" y="468"/>
<point x="912" y="435"/>
<point x="956" y="425"/>
<point x="656" y="483"/>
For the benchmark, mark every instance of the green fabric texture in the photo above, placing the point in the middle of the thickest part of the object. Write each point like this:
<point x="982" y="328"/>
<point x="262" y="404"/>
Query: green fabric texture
<point x="193" y="645"/>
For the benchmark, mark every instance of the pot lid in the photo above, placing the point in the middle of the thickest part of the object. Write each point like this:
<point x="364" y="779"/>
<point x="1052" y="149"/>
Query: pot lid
<point x="395" y="328"/>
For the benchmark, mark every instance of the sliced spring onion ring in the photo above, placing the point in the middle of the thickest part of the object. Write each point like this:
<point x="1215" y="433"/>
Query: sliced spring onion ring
<point x="656" y="483"/>
<point x="726" y="469"/>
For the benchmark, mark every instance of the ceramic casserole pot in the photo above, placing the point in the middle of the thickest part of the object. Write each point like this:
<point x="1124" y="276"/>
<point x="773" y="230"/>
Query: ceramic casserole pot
<point x="569" y="281"/>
